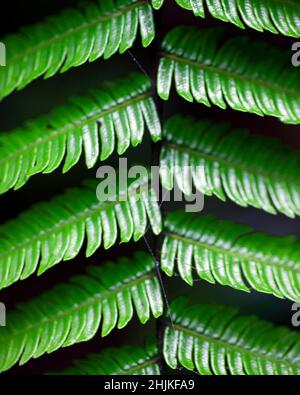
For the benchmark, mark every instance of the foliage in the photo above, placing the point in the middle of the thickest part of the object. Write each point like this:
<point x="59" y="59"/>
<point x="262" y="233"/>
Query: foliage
<point x="105" y="297"/>
<point x="231" y="254"/>
<point x="210" y="67"/>
<point x="275" y="16"/>
<point x="125" y="360"/>
<point x="73" y="37"/>
<point x="55" y="231"/>
<point x="226" y="162"/>
<point x="117" y="114"/>
<point x="216" y="340"/>
<point x="235" y="73"/>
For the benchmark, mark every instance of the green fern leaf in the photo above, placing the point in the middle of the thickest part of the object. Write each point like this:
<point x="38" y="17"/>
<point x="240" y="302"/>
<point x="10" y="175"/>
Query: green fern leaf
<point x="275" y="16"/>
<point x="72" y="38"/>
<point x="227" y="253"/>
<point x="230" y="163"/>
<point x="126" y="360"/>
<point x="117" y="114"/>
<point x="71" y="313"/>
<point x="216" y="340"/>
<point x="55" y="231"/>
<point x="235" y="73"/>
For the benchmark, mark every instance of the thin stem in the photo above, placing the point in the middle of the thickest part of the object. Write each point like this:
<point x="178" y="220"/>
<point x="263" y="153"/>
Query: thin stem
<point x="161" y="322"/>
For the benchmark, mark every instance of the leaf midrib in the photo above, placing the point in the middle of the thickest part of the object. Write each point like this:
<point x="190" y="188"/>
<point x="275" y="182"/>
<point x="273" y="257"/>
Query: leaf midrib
<point x="233" y="346"/>
<point x="91" y="301"/>
<point x="231" y="253"/>
<point x="86" y="119"/>
<point x="73" y="219"/>
<point x="251" y="169"/>
<point x="220" y="70"/>
<point x="70" y="32"/>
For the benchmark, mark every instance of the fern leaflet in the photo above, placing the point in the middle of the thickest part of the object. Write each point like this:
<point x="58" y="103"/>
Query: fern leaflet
<point x="216" y="340"/>
<point x="71" y="313"/>
<point x="235" y="73"/>
<point x="117" y="114"/>
<point x="249" y="169"/>
<point x="275" y="16"/>
<point x="55" y="231"/>
<point x="126" y="360"/>
<point x="72" y="38"/>
<point x="228" y="253"/>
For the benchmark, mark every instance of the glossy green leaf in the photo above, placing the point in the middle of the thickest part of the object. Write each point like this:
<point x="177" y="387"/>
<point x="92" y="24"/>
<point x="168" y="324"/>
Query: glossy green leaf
<point x="55" y="231"/>
<point x="235" y="72"/>
<point x="230" y="254"/>
<point x="217" y="340"/>
<point x="125" y="360"/>
<point x="250" y="170"/>
<point x="73" y="37"/>
<point x="74" y="312"/>
<point x="275" y="16"/>
<point x="117" y="114"/>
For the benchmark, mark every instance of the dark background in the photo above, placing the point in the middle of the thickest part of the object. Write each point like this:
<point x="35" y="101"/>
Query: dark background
<point x="41" y="96"/>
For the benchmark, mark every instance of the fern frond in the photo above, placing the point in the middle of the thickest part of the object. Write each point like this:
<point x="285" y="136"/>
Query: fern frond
<point x="236" y="73"/>
<point x="250" y="170"/>
<point x="125" y="360"/>
<point x="275" y="16"/>
<point x="117" y="114"/>
<point x="105" y="298"/>
<point x="55" y="231"/>
<point x="217" y="340"/>
<point x="231" y="254"/>
<point x="72" y="38"/>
